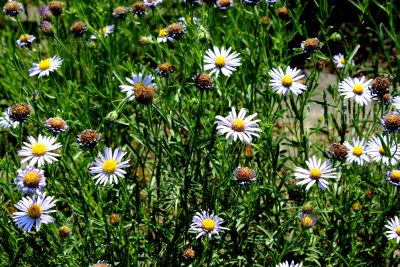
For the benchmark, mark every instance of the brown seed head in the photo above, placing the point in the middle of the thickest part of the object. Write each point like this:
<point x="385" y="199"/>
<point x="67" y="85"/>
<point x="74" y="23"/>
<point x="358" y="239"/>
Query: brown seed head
<point x="308" y="208"/>
<point x="175" y="30"/>
<point x="244" y="175"/>
<point x="283" y="13"/>
<point x="78" y="28"/>
<point x="165" y="69"/>
<point x="338" y="151"/>
<point x="120" y="12"/>
<point x="380" y="86"/>
<point x="310" y="45"/>
<point x="248" y="151"/>
<point x="56" y="125"/>
<point x="12" y="8"/>
<point x="265" y="20"/>
<point x="114" y="218"/>
<point x="64" y="231"/>
<point x="320" y="65"/>
<point x="391" y="122"/>
<point x="203" y="81"/>
<point x="89" y="138"/>
<point x="20" y="112"/>
<point x="189" y="254"/>
<point x="144" y="94"/>
<point x="56" y="7"/>
<point x="369" y="194"/>
<point x="139" y="9"/>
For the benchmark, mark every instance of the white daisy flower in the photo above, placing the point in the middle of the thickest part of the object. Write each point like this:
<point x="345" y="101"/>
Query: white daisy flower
<point x="136" y="81"/>
<point x="103" y="32"/>
<point x="393" y="177"/>
<point x="283" y="82"/>
<point x="224" y="4"/>
<point x="108" y="167"/>
<point x="394" y="229"/>
<point x="30" y="180"/>
<point x="339" y="60"/>
<point x="396" y="102"/>
<point x="151" y="3"/>
<point x="6" y="121"/>
<point x="205" y="224"/>
<point x="287" y="264"/>
<point x="33" y="211"/>
<point x="316" y="172"/>
<point x="376" y="151"/>
<point x="357" y="88"/>
<point x="25" y="40"/>
<point x="44" y="67"/>
<point x="221" y="61"/>
<point x="357" y="151"/>
<point x="237" y="126"/>
<point x="162" y="36"/>
<point x="39" y="151"/>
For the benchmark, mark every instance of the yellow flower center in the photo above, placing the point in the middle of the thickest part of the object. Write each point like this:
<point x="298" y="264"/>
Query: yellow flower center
<point x="103" y="31"/>
<point x="307" y="221"/>
<point x="342" y="61"/>
<point x="381" y="150"/>
<point x="220" y="61"/>
<point x="238" y="125"/>
<point x="357" y="151"/>
<point x="45" y="64"/>
<point x="287" y="80"/>
<point x="109" y="166"/>
<point x="139" y="84"/>
<point x="35" y="211"/>
<point x="162" y="33"/>
<point x="358" y="89"/>
<point x="395" y="176"/>
<point x="315" y="174"/>
<point x="23" y="38"/>
<point x="38" y="149"/>
<point x="208" y="224"/>
<point x="31" y="179"/>
<point x="398" y="230"/>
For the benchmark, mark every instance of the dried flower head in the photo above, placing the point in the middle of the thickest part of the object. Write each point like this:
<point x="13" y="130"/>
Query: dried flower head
<point x="391" y="122"/>
<point x="20" y="112"/>
<point x="338" y="151"/>
<point x="139" y="9"/>
<point x="320" y="64"/>
<point x="387" y="98"/>
<point x="224" y="4"/>
<point x="369" y="194"/>
<point x="175" y="31"/>
<point x="64" y="231"/>
<point x="46" y="27"/>
<point x="88" y="138"/>
<point x="203" y="81"/>
<point x="165" y="69"/>
<point x="244" y="175"/>
<point x="310" y="45"/>
<point x="283" y="13"/>
<point x="12" y="8"/>
<point x="144" y="94"/>
<point x="120" y="12"/>
<point x="380" y="86"/>
<point x="356" y="206"/>
<point x="189" y="254"/>
<point x="114" y="218"/>
<point x="308" y="208"/>
<point x="56" y="125"/>
<point x="56" y="7"/>
<point x="248" y="151"/>
<point x="78" y="28"/>
<point x="265" y="20"/>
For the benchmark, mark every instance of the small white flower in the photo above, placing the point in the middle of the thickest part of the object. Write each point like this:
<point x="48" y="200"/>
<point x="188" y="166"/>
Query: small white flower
<point x="44" y="67"/>
<point x="39" y="151"/>
<point x="25" y="39"/>
<point x="376" y="151"/>
<point x="6" y="121"/>
<point x="219" y="60"/>
<point x="287" y="264"/>
<point x="136" y="81"/>
<point x="357" y="151"/>
<point x="33" y="211"/>
<point x="162" y="36"/>
<point x="394" y="229"/>
<point x="283" y="82"/>
<point x="339" y="60"/>
<point x="205" y="224"/>
<point x="357" y="88"/>
<point x="236" y="126"/>
<point x="316" y="172"/>
<point x="151" y="3"/>
<point x="103" y="32"/>
<point x="396" y="102"/>
<point x="30" y="180"/>
<point x="108" y="167"/>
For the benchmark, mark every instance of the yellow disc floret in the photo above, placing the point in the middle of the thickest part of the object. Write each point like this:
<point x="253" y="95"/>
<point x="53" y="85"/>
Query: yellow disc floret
<point x="358" y="89"/>
<point x="315" y="174"/>
<point x="208" y="224"/>
<point x="162" y="33"/>
<point x="287" y="80"/>
<point x="395" y="176"/>
<point x="398" y="231"/>
<point x="45" y="64"/>
<point x="381" y="150"/>
<point x="38" y="149"/>
<point x="308" y="221"/>
<point x="342" y="61"/>
<point x="103" y="31"/>
<point x="357" y="151"/>
<point x="34" y="211"/>
<point x="220" y="61"/>
<point x="238" y="125"/>
<point x="31" y="179"/>
<point x="109" y="166"/>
